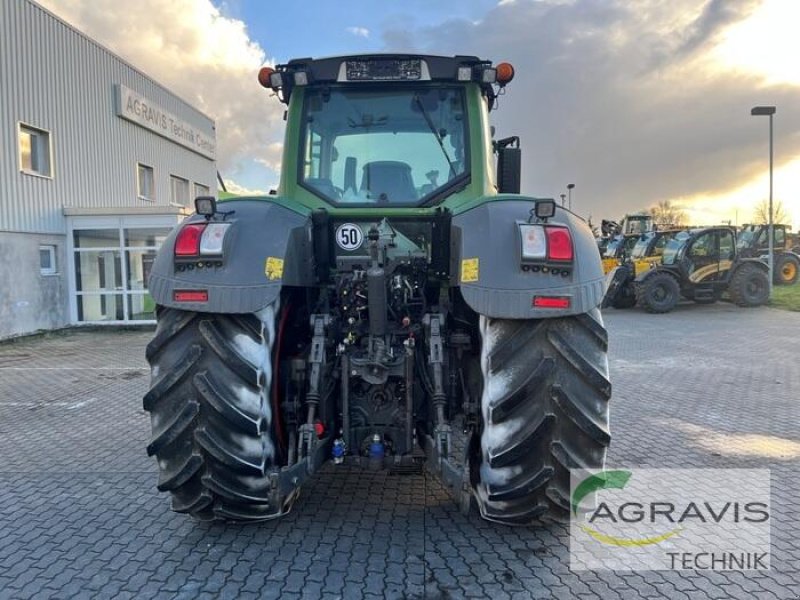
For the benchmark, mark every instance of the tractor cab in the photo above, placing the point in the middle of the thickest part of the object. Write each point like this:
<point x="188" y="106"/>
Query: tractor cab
<point x="389" y="131"/>
<point x="753" y="238"/>
<point x="649" y="248"/>
<point x="618" y="250"/>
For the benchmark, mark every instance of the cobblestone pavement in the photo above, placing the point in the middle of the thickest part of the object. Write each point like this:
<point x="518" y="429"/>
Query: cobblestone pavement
<point x="705" y="386"/>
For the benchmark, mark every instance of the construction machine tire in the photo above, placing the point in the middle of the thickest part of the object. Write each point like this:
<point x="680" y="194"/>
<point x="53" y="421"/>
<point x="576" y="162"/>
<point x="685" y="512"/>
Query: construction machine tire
<point x="210" y="413"/>
<point x="619" y="289"/>
<point x="787" y="270"/>
<point x="544" y="411"/>
<point x="626" y="299"/>
<point x="749" y="285"/>
<point x="658" y="293"/>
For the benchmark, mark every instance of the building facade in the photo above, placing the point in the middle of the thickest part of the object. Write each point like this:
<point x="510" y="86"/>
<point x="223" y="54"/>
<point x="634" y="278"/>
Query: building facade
<point x="97" y="163"/>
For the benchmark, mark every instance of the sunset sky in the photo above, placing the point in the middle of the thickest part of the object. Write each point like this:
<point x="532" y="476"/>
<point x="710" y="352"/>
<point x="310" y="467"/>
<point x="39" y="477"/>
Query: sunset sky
<point x="633" y="101"/>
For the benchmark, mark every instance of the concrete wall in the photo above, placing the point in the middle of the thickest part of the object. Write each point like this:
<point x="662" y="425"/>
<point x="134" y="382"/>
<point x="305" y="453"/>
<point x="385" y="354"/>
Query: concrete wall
<point x="30" y="301"/>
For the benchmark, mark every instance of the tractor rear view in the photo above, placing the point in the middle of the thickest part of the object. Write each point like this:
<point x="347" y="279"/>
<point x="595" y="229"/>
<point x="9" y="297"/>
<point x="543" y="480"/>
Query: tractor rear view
<point x="394" y="292"/>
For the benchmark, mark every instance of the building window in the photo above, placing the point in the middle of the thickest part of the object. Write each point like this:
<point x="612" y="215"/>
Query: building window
<point x="145" y="186"/>
<point x="34" y="151"/>
<point x="178" y="190"/>
<point x="201" y="190"/>
<point x="47" y="260"/>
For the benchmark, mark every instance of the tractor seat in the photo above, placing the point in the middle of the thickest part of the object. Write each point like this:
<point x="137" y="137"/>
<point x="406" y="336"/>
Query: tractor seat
<point x="388" y="181"/>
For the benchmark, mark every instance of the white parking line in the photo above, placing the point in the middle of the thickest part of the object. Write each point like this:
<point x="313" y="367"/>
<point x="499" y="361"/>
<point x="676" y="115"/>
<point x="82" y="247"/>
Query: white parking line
<point x="67" y="405"/>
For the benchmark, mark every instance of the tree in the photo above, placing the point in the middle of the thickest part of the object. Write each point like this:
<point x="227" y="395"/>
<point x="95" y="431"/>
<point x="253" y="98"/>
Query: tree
<point x="595" y="229"/>
<point x="761" y="212"/>
<point x="666" y="213"/>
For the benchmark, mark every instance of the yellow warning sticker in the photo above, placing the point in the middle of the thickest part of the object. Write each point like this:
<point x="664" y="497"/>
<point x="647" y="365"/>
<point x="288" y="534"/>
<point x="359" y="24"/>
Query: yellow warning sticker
<point x="273" y="268"/>
<point x="470" y="270"/>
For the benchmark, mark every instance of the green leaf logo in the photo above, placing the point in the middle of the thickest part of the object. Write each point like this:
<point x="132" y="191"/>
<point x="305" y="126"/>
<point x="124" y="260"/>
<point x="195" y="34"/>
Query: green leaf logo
<point x="600" y="481"/>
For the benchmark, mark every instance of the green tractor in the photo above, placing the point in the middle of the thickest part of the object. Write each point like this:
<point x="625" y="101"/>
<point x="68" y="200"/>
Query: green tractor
<point x="751" y="241"/>
<point x="396" y="303"/>
<point x="700" y="265"/>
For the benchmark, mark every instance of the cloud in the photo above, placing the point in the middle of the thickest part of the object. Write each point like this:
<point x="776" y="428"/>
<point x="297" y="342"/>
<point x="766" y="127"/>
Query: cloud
<point x="235" y="188"/>
<point x="206" y="58"/>
<point x="271" y="156"/>
<point x="359" y="31"/>
<point x="623" y="99"/>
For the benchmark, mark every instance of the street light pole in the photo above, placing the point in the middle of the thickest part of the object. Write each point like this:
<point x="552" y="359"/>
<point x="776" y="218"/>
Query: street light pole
<point x="570" y="187"/>
<point x="563" y="198"/>
<point x="768" y="111"/>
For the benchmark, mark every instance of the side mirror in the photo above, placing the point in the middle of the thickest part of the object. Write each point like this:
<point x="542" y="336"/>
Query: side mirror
<point x="509" y="165"/>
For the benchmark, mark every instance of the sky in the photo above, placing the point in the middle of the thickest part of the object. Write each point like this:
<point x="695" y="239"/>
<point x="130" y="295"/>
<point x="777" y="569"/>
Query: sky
<point x="635" y="102"/>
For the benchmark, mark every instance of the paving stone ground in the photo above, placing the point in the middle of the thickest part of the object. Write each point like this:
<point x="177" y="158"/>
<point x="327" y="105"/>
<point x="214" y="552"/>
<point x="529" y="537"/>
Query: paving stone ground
<point x="705" y="386"/>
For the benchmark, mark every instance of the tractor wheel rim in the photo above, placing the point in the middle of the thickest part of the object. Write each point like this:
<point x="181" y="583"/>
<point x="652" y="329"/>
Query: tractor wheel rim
<point x="789" y="271"/>
<point x="660" y="293"/>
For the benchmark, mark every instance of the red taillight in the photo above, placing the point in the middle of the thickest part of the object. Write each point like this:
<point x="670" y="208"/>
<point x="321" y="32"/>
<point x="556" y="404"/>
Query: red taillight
<point x="190" y="295"/>
<point x="559" y="243"/>
<point x="188" y="241"/>
<point x="551" y="301"/>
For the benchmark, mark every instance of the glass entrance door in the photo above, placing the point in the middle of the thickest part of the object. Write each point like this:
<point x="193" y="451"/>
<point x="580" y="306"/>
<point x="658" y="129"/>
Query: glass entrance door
<point x="112" y="262"/>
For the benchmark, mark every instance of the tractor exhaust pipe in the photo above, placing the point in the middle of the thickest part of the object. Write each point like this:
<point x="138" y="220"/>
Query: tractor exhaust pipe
<point x="376" y="289"/>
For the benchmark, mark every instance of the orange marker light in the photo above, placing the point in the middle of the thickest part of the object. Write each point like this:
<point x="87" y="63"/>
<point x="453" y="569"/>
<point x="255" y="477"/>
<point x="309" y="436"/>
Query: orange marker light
<point x="505" y="73"/>
<point x="263" y="76"/>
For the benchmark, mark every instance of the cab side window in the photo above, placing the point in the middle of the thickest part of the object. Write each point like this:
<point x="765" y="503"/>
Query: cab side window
<point x="703" y="246"/>
<point x="726" y="245"/>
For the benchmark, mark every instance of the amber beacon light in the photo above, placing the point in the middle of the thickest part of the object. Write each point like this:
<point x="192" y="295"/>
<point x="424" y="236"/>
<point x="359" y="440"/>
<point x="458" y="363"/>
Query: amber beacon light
<point x="505" y="73"/>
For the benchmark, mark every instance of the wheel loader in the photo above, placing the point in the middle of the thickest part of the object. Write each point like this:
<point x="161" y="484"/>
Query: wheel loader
<point x="396" y="303"/>
<point x="701" y="266"/>
<point x="751" y="240"/>
<point x="645" y="255"/>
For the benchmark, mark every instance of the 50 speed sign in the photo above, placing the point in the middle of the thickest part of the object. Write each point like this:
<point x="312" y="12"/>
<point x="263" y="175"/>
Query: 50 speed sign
<point x="349" y="236"/>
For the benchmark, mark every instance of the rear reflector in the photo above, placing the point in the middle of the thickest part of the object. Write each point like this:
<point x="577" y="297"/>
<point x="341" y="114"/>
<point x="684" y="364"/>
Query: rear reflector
<point x="212" y="239"/>
<point x="188" y="241"/>
<point x="190" y="295"/>
<point x="559" y="243"/>
<point x="551" y="301"/>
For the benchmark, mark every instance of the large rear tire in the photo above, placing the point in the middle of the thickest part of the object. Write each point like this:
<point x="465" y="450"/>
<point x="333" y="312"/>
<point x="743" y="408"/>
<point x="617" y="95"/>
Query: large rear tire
<point x="749" y="285"/>
<point x="545" y="411"/>
<point x="658" y="293"/>
<point x="210" y="413"/>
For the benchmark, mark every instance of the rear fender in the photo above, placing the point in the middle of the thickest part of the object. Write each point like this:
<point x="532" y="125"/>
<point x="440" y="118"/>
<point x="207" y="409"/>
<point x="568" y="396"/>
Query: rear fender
<point x="267" y="246"/>
<point x="754" y="261"/>
<point x="487" y="252"/>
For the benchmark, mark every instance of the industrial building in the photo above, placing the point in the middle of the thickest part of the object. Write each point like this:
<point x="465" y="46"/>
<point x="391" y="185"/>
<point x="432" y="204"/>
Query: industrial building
<point x="98" y="163"/>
